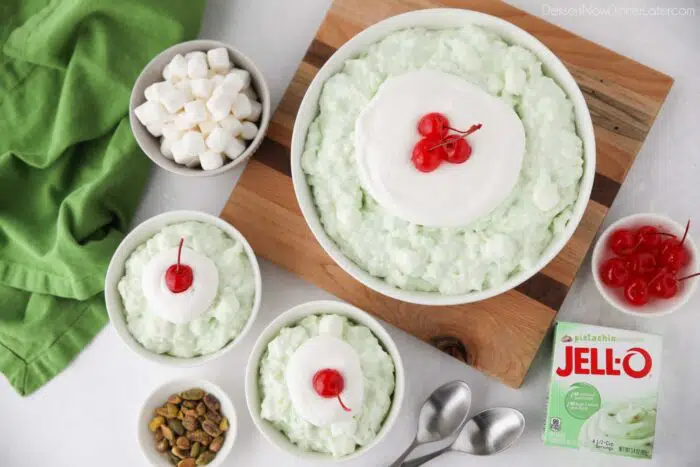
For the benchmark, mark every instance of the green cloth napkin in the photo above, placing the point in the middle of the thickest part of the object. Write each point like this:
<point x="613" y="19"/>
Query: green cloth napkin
<point x="71" y="173"/>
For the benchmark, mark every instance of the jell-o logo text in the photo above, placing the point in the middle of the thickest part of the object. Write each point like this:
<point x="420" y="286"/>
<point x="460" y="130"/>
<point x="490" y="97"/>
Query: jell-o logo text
<point x="594" y="361"/>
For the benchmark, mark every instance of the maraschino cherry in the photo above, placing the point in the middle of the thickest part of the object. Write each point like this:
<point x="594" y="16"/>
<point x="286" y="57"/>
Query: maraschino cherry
<point x="437" y="146"/>
<point x="179" y="277"/>
<point x="434" y="126"/>
<point x="329" y="383"/>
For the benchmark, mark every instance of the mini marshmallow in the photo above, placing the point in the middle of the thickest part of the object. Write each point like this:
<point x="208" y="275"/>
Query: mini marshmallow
<point x="167" y="73"/>
<point x="244" y="76"/>
<point x="218" y="60"/>
<point x="249" y="130"/>
<point x="166" y="148"/>
<point x="201" y="88"/>
<point x="211" y="160"/>
<point x="232" y="84"/>
<point x="189" y="55"/>
<point x="178" y="68"/>
<point x="231" y="124"/>
<point x="151" y="92"/>
<point x="250" y="92"/>
<point x="219" y="106"/>
<point x="207" y="126"/>
<point x="242" y="107"/>
<point x="196" y="111"/>
<point x="156" y="128"/>
<point x="193" y="142"/>
<point x="179" y="153"/>
<point x="255" y="111"/>
<point x="197" y="66"/>
<point x="173" y="99"/>
<point x="182" y="122"/>
<point x="235" y="148"/>
<point x="217" y="80"/>
<point x="185" y="87"/>
<point x="218" y="139"/>
<point x="150" y="112"/>
<point x="171" y="131"/>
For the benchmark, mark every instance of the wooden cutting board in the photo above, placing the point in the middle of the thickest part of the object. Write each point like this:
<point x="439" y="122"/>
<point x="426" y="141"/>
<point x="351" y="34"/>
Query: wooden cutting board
<point x="499" y="336"/>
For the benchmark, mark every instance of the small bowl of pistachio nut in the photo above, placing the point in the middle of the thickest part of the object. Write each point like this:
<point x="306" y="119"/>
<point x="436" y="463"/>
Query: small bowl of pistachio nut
<point x="187" y="423"/>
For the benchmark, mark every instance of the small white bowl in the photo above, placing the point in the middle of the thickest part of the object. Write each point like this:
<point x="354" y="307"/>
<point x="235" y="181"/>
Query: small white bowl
<point x="159" y="397"/>
<point x="152" y="73"/>
<point x="115" y="272"/>
<point x="655" y="307"/>
<point x="291" y="317"/>
<point x="440" y="18"/>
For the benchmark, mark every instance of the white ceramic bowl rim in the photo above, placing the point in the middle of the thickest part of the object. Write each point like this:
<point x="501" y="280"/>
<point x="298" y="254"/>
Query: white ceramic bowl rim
<point x="658" y="307"/>
<point x="291" y="317"/>
<point x="150" y="145"/>
<point x="440" y="18"/>
<point x="158" y="397"/>
<point x="140" y="234"/>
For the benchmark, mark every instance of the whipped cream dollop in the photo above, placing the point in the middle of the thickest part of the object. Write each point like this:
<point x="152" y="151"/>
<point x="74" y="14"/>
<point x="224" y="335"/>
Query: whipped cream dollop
<point x="326" y="350"/>
<point x="454" y="195"/>
<point x="183" y="307"/>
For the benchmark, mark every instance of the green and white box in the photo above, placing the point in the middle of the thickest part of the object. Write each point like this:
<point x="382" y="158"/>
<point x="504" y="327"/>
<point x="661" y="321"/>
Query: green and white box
<point x="603" y="390"/>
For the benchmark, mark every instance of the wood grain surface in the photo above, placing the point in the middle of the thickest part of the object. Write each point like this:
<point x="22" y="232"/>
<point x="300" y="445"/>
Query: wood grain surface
<point x="499" y="336"/>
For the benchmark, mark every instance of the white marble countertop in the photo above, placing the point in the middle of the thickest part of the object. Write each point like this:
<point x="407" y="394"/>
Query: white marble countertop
<point x="86" y="416"/>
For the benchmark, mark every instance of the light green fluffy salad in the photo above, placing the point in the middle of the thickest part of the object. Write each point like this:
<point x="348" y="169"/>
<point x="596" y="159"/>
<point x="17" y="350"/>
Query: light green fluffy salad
<point x="487" y="252"/>
<point x="338" y="439"/>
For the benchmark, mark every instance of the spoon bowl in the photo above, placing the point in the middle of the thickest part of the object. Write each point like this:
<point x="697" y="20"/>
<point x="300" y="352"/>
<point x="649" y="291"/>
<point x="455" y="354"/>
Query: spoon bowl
<point x="488" y="432"/>
<point x="442" y="415"/>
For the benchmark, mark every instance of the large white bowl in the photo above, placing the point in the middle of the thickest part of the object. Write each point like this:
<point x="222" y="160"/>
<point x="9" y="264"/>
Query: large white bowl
<point x="439" y="19"/>
<point x="158" y="398"/>
<point x="290" y="318"/>
<point x="115" y="272"/>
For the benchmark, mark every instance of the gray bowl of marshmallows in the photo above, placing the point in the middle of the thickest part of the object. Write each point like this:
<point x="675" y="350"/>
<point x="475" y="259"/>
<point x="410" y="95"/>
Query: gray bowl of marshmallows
<point x="199" y="108"/>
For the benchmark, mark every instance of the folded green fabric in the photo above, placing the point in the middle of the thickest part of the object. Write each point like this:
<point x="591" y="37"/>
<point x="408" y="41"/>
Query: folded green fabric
<point x="71" y="173"/>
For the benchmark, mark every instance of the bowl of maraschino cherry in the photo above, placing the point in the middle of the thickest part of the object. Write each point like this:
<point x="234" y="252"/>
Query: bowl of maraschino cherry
<point x="646" y="265"/>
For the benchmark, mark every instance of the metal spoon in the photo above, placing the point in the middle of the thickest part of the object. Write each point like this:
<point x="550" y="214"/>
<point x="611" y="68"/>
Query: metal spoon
<point x="488" y="432"/>
<point x="442" y="415"/>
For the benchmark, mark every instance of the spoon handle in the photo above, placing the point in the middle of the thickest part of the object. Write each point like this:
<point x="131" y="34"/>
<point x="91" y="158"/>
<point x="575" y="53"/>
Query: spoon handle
<point x="423" y="459"/>
<point x="398" y="462"/>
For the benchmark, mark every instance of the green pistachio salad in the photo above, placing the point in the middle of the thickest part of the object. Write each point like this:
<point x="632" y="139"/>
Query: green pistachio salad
<point x="485" y="209"/>
<point x="327" y="384"/>
<point x="189" y="290"/>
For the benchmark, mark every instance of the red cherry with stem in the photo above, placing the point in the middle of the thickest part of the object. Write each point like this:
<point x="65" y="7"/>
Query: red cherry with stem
<point x="664" y="285"/>
<point x="615" y="273"/>
<point x="667" y="285"/>
<point x="642" y="263"/>
<point x="179" y="277"/>
<point x="674" y="255"/>
<point x="433" y="125"/>
<point x="463" y="134"/>
<point x="649" y="237"/>
<point x="457" y="150"/>
<point x="427" y="156"/>
<point x="622" y="242"/>
<point x="329" y="383"/>
<point x="636" y="292"/>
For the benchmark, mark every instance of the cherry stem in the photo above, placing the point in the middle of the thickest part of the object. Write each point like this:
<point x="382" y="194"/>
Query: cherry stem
<point x="685" y="234"/>
<point x="689" y="277"/>
<point x="666" y="234"/>
<point x="464" y="134"/>
<point x="179" y="253"/>
<point x="343" y="405"/>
